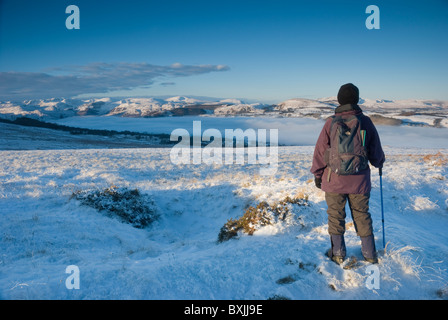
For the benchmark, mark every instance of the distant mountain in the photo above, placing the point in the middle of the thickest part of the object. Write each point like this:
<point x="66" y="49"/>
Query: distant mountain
<point x="391" y="112"/>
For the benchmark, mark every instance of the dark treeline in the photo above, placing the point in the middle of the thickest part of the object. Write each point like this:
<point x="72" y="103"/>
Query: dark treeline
<point x="163" y="139"/>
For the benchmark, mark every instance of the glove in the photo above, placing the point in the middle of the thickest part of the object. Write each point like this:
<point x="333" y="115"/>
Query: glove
<point x="318" y="182"/>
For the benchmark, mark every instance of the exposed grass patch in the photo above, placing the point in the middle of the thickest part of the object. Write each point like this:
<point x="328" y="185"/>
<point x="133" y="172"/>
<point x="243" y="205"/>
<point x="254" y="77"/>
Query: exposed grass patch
<point x="442" y="293"/>
<point x="438" y="159"/>
<point x="261" y="215"/>
<point x="278" y="297"/>
<point x="286" y="280"/>
<point x="130" y="206"/>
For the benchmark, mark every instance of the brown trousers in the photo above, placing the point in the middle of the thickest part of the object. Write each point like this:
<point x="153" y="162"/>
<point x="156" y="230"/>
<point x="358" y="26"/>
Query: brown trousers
<point x="359" y="207"/>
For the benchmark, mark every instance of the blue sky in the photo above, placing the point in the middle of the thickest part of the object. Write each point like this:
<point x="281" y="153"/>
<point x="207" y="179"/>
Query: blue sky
<point x="262" y="50"/>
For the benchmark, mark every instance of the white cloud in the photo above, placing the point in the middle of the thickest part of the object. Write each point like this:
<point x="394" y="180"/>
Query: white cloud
<point x="93" y="78"/>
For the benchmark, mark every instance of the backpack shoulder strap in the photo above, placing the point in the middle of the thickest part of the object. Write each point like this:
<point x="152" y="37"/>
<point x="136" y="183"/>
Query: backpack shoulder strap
<point x="360" y="119"/>
<point x="334" y="119"/>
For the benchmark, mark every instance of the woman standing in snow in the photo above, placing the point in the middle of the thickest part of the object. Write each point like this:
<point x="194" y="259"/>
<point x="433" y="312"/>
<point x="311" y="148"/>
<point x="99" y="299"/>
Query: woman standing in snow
<point x="347" y="142"/>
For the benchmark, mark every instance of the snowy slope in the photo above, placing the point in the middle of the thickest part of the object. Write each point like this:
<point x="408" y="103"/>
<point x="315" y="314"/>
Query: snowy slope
<point x="178" y="257"/>
<point x="16" y="137"/>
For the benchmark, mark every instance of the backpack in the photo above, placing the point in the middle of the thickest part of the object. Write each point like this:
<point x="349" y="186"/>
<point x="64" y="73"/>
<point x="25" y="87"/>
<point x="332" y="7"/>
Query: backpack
<point x="347" y="153"/>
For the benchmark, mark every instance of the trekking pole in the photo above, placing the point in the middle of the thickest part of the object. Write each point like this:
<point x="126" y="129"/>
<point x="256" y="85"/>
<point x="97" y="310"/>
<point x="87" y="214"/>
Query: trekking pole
<point x="382" y="209"/>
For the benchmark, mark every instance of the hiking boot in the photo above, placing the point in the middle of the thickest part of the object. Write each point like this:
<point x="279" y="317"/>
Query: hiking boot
<point x="337" y="259"/>
<point x="373" y="260"/>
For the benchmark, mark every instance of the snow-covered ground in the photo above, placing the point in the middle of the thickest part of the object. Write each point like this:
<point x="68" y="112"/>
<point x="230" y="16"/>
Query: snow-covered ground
<point x="44" y="230"/>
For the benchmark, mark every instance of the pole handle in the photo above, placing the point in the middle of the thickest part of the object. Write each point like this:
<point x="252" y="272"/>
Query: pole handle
<point x="380" y="170"/>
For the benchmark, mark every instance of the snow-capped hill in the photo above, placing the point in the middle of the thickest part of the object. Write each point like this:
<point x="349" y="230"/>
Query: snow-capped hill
<point x="52" y="108"/>
<point x="57" y="108"/>
<point x="305" y="107"/>
<point x="385" y="112"/>
<point x="96" y="107"/>
<point x="231" y="101"/>
<point x="239" y="109"/>
<point x="403" y="104"/>
<point x="136" y="107"/>
<point x="300" y="103"/>
<point x="11" y="110"/>
<point x="184" y="100"/>
<point x="395" y="112"/>
<point x="332" y="101"/>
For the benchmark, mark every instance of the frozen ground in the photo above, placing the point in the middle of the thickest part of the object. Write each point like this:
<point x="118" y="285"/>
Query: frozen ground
<point x="43" y="230"/>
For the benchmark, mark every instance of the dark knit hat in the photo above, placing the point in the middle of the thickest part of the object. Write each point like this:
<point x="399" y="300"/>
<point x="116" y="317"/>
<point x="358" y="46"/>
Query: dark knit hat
<point x="348" y="94"/>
